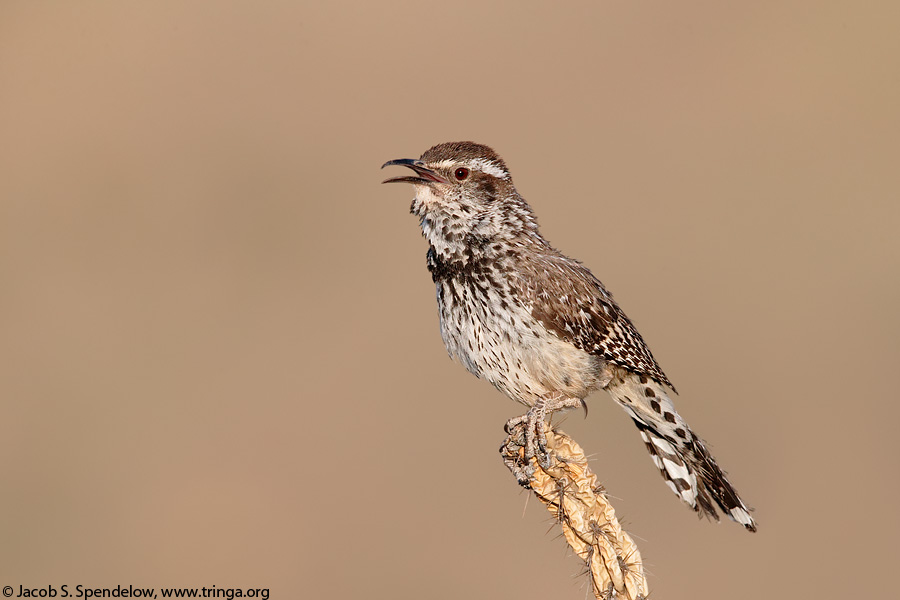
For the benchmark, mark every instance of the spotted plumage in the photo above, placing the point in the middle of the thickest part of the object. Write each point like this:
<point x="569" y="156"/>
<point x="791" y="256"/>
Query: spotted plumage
<point x="538" y="325"/>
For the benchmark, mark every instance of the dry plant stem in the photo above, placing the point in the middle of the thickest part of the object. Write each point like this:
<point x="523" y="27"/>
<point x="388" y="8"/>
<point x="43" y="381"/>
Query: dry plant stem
<point x="570" y="491"/>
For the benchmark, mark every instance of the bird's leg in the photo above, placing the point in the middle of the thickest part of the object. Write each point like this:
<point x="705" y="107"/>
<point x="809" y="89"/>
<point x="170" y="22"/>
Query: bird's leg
<point x="533" y="422"/>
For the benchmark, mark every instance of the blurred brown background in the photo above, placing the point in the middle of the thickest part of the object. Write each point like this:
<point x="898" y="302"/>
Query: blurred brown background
<point x="220" y="361"/>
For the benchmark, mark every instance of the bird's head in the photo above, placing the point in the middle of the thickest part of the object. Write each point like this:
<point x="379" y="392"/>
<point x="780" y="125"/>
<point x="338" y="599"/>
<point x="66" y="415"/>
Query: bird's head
<point x="463" y="189"/>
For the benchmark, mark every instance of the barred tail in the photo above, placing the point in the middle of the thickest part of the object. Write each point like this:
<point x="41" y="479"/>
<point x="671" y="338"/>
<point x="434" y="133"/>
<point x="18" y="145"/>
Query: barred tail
<point x="682" y="458"/>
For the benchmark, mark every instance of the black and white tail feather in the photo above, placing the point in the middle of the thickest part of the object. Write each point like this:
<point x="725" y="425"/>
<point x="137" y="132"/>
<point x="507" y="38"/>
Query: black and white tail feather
<point x="682" y="458"/>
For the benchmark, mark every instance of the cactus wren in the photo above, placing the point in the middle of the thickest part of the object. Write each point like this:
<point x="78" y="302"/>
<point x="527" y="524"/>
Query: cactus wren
<point x="538" y="325"/>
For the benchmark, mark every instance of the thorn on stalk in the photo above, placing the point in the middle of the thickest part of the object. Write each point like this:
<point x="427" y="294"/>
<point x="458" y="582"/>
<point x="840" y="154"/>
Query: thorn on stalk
<point x="578" y="503"/>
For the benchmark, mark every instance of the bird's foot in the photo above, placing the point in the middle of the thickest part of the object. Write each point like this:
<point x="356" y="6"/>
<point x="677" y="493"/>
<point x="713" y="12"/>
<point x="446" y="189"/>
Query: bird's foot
<point x="529" y="432"/>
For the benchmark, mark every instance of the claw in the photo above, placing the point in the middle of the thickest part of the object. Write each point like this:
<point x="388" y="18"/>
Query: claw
<point x="529" y="432"/>
<point x="535" y="439"/>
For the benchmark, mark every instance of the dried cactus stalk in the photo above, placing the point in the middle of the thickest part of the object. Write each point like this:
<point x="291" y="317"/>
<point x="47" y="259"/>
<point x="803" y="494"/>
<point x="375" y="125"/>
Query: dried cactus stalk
<point x="569" y="490"/>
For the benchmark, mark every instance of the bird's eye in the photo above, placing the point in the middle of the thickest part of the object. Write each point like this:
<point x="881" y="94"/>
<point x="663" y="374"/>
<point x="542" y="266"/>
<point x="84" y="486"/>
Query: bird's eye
<point x="461" y="173"/>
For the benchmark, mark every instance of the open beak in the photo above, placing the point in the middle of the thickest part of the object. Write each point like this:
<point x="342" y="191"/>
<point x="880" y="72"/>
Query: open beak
<point x="425" y="176"/>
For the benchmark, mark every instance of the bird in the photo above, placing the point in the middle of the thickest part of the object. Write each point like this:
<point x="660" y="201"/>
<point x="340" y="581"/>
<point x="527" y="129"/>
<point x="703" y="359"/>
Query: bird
<point x="538" y="325"/>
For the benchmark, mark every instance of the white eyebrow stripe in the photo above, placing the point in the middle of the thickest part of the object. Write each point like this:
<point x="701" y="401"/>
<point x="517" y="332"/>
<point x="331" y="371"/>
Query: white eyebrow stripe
<point x="486" y="166"/>
<point x="479" y="164"/>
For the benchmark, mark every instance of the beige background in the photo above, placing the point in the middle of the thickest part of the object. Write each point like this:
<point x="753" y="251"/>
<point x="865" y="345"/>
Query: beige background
<point x="219" y="354"/>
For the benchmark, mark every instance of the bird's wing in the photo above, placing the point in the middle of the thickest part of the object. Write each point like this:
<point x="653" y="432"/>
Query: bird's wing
<point x="569" y="301"/>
